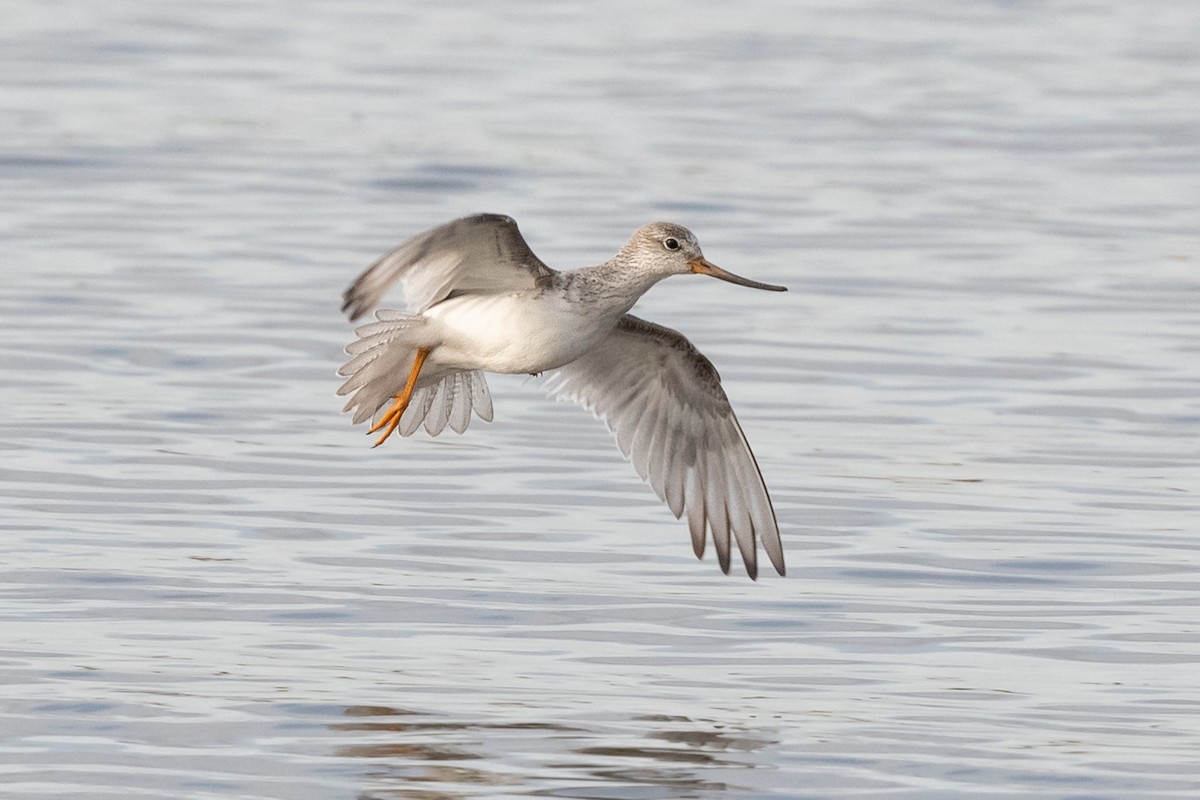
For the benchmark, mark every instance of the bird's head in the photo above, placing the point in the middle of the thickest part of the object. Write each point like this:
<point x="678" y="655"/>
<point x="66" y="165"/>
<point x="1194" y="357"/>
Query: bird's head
<point x="664" y="249"/>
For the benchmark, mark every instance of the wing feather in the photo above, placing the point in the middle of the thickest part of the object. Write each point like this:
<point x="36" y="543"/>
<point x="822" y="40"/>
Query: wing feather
<point x="664" y="402"/>
<point x="484" y="253"/>
<point x="697" y="522"/>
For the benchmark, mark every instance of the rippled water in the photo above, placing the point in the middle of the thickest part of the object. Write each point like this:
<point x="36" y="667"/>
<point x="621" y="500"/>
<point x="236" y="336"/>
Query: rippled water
<point x="978" y="409"/>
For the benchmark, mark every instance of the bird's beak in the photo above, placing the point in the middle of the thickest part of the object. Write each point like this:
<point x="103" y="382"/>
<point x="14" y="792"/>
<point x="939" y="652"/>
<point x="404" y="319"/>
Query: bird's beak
<point x="702" y="266"/>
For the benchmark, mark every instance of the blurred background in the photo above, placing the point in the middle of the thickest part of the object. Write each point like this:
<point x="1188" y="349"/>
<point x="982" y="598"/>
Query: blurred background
<point x="977" y="409"/>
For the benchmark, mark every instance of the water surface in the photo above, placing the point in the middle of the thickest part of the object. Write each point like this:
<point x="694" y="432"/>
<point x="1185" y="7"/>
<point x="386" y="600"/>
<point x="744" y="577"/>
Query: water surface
<point x="978" y="409"/>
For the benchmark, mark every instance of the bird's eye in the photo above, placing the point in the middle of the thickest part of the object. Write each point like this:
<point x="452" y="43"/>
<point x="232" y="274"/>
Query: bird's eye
<point x="671" y="244"/>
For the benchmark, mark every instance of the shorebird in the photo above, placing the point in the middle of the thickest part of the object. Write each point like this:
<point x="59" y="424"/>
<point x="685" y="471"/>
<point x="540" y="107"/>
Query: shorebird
<point x="478" y="300"/>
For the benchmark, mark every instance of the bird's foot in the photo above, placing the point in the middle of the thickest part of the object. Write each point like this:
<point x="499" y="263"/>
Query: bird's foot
<point x="391" y="418"/>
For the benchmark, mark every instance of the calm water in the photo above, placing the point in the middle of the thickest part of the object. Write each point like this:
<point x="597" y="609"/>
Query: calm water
<point x="978" y="409"/>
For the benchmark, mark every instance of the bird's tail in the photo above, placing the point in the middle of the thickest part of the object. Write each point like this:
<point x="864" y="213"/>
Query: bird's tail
<point x="380" y="361"/>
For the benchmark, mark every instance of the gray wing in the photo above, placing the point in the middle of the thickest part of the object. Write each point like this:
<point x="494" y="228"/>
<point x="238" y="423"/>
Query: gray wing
<point x="663" y="400"/>
<point x="483" y="253"/>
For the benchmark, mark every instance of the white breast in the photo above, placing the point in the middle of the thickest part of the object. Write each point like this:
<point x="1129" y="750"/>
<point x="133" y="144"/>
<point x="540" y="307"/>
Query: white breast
<point x="516" y="333"/>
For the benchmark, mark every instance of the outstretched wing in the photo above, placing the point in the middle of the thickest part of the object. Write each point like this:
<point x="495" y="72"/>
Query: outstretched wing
<point x="663" y="400"/>
<point x="483" y="253"/>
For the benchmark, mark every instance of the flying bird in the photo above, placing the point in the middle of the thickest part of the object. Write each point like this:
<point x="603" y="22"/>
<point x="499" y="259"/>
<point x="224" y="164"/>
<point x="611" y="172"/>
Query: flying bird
<point x="478" y="300"/>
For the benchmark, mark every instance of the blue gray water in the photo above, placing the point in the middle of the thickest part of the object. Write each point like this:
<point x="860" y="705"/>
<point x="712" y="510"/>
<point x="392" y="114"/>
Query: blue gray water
<point x="978" y="409"/>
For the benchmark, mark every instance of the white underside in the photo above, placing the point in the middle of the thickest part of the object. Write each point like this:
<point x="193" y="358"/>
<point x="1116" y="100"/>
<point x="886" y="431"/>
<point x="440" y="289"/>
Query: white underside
<point x="513" y="333"/>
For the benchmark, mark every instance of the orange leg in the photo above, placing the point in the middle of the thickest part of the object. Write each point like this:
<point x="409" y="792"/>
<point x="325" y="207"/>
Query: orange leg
<point x="392" y="417"/>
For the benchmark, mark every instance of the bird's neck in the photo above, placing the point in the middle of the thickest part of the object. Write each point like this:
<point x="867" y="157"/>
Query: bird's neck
<point x="613" y="286"/>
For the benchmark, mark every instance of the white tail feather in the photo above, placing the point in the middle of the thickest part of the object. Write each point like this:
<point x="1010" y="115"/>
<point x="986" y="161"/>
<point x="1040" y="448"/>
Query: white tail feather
<point x="381" y="360"/>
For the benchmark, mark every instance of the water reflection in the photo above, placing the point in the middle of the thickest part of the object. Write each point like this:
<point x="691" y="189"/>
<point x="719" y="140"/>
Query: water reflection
<point x="677" y="758"/>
